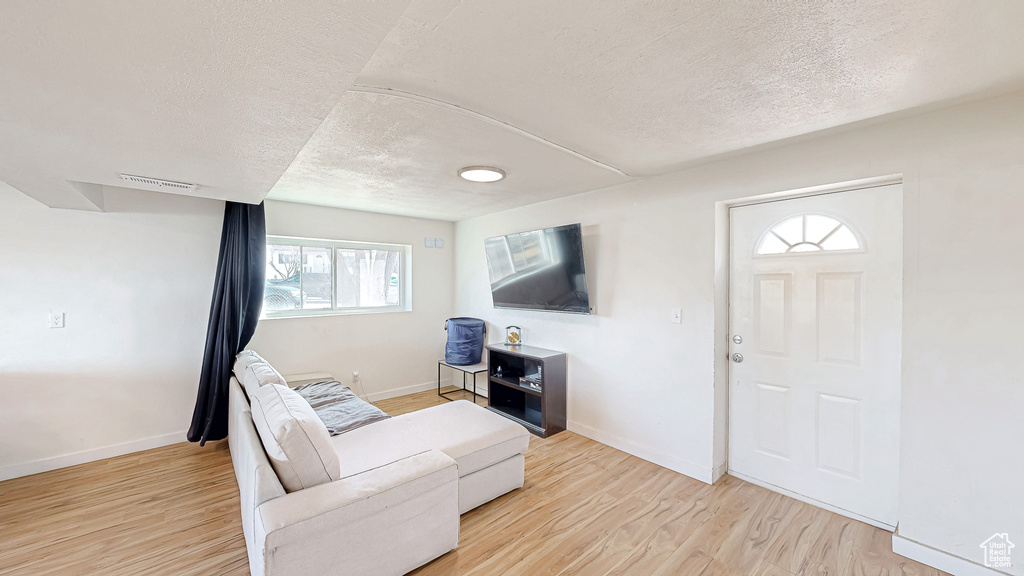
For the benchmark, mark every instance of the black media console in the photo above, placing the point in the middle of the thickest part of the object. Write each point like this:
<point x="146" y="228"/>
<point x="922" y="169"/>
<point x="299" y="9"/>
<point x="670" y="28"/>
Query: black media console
<point x="527" y="384"/>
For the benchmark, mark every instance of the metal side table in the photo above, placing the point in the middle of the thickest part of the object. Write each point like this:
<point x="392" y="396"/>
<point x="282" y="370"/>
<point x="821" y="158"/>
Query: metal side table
<point x="473" y="369"/>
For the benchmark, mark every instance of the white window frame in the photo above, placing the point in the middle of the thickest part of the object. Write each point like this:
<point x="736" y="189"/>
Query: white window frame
<point x="861" y="245"/>
<point x="404" y="279"/>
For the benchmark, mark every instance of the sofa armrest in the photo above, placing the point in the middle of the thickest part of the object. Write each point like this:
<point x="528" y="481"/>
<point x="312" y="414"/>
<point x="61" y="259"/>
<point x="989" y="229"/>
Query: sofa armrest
<point x="387" y="520"/>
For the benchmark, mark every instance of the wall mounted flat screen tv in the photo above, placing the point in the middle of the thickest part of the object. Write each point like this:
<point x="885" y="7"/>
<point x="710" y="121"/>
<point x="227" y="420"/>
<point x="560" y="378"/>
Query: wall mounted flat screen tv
<point x="539" y="270"/>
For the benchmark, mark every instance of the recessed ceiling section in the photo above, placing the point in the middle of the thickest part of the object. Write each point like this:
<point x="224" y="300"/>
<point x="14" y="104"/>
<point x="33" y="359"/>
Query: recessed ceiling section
<point x="220" y="94"/>
<point x="391" y="154"/>
<point x="650" y="86"/>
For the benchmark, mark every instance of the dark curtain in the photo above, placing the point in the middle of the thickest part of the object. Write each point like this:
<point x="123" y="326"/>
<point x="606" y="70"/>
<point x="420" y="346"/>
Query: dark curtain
<point x="237" y="300"/>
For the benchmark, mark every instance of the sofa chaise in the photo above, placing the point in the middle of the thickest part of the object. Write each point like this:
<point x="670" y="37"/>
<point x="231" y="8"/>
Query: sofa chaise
<point x="382" y="499"/>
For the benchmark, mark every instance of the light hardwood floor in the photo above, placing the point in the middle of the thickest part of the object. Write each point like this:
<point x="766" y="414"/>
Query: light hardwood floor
<point x="586" y="509"/>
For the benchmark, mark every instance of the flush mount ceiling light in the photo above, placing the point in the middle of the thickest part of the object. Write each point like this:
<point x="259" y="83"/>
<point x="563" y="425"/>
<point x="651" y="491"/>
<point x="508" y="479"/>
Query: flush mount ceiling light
<point x="481" y="173"/>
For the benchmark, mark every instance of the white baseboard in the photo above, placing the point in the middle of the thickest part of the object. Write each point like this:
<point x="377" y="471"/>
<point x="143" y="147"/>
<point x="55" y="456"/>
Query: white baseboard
<point x="813" y="502"/>
<point x="396" y="392"/>
<point x="46" y="464"/>
<point x="938" y="559"/>
<point x="432" y="385"/>
<point x="720" y="470"/>
<point x="651" y="455"/>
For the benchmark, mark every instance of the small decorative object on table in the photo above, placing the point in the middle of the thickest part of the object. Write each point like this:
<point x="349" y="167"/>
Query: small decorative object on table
<point x="513" y="336"/>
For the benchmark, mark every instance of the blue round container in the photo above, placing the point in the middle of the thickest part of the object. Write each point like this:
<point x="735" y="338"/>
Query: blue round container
<point x="465" y="341"/>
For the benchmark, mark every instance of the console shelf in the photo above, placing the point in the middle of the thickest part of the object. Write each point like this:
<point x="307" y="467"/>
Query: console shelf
<point x="517" y="385"/>
<point x="542" y="411"/>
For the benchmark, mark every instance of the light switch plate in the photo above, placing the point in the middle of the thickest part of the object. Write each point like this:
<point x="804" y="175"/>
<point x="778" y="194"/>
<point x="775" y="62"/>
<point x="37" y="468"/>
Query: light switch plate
<point x="438" y="242"/>
<point x="428" y="242"/>
<point x="57" y="320"/>
<point x="677" y="316"/>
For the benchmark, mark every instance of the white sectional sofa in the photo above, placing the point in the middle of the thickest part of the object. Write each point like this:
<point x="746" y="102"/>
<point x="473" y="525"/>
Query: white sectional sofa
<point x="382" y="499"/>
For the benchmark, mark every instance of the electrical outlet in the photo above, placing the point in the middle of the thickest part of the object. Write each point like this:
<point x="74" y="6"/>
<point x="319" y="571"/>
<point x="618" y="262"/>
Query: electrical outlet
<point x="355" y="375"/>
<point x="56" y="320"/>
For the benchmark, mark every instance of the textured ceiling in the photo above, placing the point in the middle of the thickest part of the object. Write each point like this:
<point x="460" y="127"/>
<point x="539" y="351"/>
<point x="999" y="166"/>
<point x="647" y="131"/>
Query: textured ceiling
<point x="565" y="96"/>
<point x="221" y="94"/>
<point x="648" y="85"/>
<point x="389" y="154"/>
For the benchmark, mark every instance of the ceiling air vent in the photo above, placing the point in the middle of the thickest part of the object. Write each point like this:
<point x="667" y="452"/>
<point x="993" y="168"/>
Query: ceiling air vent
<point x="158" y="184"/>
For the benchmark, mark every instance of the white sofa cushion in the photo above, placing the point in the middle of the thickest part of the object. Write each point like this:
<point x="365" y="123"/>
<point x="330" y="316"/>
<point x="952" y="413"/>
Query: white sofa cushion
<point x="295" y="439"/>
<point x="242" y="361"/>
<point x="253" y="372"/>
<point x="471" y="435"/>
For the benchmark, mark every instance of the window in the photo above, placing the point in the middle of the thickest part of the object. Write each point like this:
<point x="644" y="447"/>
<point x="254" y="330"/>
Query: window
<point x="313" y="277"/>
<point x="807" y="233"/>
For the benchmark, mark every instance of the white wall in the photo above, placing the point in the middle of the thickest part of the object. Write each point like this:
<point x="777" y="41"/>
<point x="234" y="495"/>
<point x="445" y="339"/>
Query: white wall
<point x="642" y="384"/>
<point x="136" y="284"/>
<point x="395" y="353"/>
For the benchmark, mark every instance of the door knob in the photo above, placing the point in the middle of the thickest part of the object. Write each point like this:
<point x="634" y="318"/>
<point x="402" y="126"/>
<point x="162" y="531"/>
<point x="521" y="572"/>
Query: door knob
<point x="737" y="339"/>
<point x="737" y="357"/>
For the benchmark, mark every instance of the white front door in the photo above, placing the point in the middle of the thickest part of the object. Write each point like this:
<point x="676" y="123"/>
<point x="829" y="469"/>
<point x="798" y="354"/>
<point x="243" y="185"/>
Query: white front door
<point x="815" y="307"/>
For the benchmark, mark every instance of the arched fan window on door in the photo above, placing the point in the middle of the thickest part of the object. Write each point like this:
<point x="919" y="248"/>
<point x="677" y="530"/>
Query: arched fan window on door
<point x="807" y="233"/>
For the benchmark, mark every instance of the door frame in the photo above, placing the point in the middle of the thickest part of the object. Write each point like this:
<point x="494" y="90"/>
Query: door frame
<point x="723" y="266"/>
